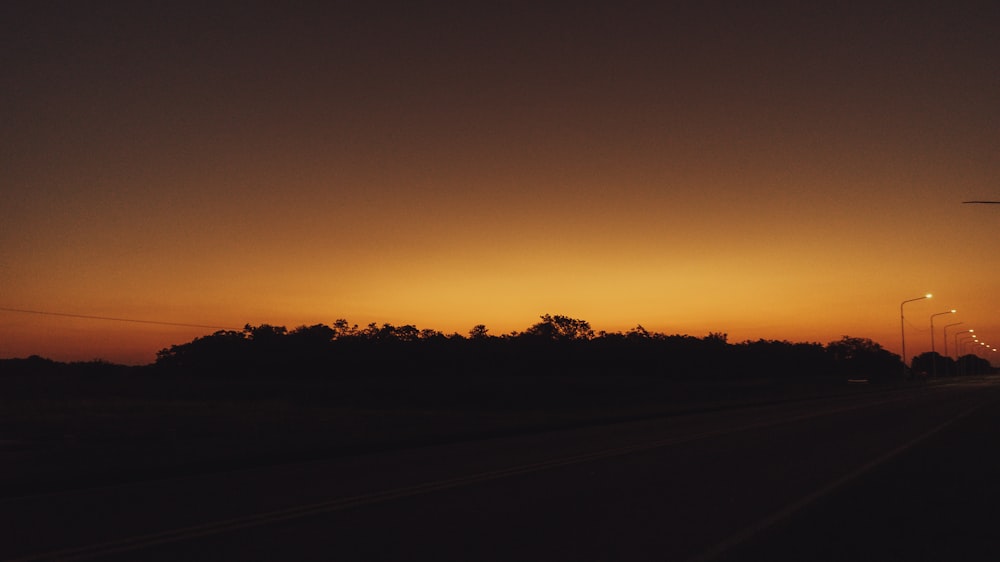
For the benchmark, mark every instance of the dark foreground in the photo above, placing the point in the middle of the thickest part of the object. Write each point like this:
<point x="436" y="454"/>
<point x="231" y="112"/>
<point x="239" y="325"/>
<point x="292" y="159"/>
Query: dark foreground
<point x="904" y="474"/>
<point x="65" y="431"/>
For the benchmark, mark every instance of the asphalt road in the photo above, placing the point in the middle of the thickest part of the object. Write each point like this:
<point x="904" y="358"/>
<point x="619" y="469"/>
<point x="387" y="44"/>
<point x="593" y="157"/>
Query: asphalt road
<point x="907" y="475"/>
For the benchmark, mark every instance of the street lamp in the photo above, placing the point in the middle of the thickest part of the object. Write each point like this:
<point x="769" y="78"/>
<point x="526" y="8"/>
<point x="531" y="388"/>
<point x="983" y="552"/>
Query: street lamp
<point x="969" y="346"/>
<point x="902" y="326"/>
<point x="965" y="353"/>
<point x="933" y="356"/>
<point x="974" y="340"/>
<point x="945" y="331"/>
<point x="973" y="352"/>
<point x="952" y="311"/>
<point x="969" y="331"/>
<point x="959" y="348"/>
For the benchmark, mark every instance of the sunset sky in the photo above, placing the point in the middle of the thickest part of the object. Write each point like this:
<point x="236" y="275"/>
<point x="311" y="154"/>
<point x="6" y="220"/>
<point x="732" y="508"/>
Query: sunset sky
<point x="777" y="170"/>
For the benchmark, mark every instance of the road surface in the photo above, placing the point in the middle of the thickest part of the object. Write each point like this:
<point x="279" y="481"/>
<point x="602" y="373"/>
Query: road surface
<point x="903" y="474"/>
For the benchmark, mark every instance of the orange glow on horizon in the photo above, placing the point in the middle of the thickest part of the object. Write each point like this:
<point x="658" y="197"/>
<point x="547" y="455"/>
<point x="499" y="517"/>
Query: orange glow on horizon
<point x="685" y="168"/>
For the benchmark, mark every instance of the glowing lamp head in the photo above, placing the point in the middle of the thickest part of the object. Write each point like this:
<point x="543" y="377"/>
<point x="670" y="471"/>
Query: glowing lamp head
<point x="928" y="295"/>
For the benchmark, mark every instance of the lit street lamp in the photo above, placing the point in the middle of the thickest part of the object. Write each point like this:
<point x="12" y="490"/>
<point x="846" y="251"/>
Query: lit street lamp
<point x="933" y="357"/>
<point x="902" y="326"/>
<point x="960" y="347"/>
<point x="952" y="311"/>
<point x="973" y="350"/>
<point x="945" y="331"/>
<point x="969" y="331"/>
<point x="974" y="340"/>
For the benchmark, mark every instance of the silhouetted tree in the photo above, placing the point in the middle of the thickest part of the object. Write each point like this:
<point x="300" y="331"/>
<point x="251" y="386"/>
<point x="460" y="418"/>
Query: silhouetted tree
<point x="561" y="328"/>
<point x="782" y="359"/>
<point x="556" y="344"/>
<point x="638" y="333"/>
<point x="342" y="329"/>
<point x="718" y="338"/>
<point x="973" y="365"/>
<point x="863" y="358"/>
<point x="33" y="365"/>
<point x="221" y="354"/>
<point x="406" y="333"/>
<point x="428" y="334"/>
<point x="264" y="332"/>
<point x="933" y="363"/>
<point x="317" y="334"/>
<point x="479" y="331"/>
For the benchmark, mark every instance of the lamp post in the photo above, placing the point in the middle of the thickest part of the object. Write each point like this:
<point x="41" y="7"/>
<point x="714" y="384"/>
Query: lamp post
<point x="973" y="351"/>
<point x="973" y="340"/>
<point x="952" y="311"/>
<point x="945" y="332"/>
<point x="969" y="331"/>
<point x="902" y="327"/>
<point x="959" y="348"/>
<point x="933" y="352"/>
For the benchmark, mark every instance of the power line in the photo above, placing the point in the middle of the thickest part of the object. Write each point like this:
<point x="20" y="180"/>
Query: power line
<point x="112" y="319"/>
<point x="983" y="202"/>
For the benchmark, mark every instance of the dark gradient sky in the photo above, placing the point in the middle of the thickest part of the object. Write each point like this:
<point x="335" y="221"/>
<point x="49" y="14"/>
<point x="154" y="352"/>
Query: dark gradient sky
<point x="779" y="170"/>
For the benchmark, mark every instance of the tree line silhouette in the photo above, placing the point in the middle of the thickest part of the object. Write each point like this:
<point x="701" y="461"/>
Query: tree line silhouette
<point x="557" y="345"/>
<point x="934" y="364"/>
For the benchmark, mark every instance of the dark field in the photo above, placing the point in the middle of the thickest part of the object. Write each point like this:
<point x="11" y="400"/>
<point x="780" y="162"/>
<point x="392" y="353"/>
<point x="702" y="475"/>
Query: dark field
<point x="60" y="431"/>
